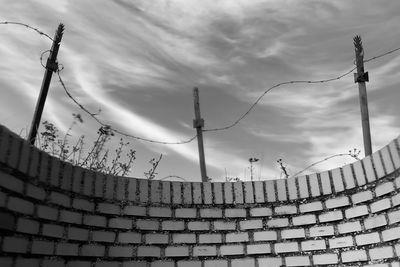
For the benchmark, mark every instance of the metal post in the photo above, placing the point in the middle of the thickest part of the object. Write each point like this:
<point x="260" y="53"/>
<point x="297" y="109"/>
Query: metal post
<point x="198" y="123"/>
<point x="361" y="77"/>
<point x="51" y="66"/>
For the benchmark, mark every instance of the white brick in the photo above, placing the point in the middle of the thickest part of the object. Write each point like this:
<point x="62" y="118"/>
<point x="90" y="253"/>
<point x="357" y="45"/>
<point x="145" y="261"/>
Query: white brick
<point x="235" y="213"/>
<point x="337" y="202"/>
<point x="184" y="238"/>
<point x="369" y="170"/>
<point x="314" y="184"/>
<point x="238" y="192"/>
<point x="185" y="213"/>
<point x="270" y="262"/>
<point x="396" y="200"/>
<point x="265" y="236"/>
<point x="356" y="211"/>
<point x="359" y="172"/>
<point x="341" y="242"/>
<point x="380" y="172"/>
<point x="228" y="193"/>
<point x="237" y="237"/>
<point x="199" y="226"/>
<point x="173" y="225"/>
<point x="303" y="187"/>
<point x="325" y="183"/>
<point x="160" y="212"/>
<point x="293" y="233"/>
<point x="216" y="263"/>
<point x="394" y="216"/>
<point x="366" y="239"/>
<point x="381" y="253"/>
<point x="207" y="191"/>
<point x="313" y="245"/>
<point x="259" y="249"/>
<point x="354" y="256"/>
<point x="361" y="197"/>
<point x="248" y="192"/>
<point x="286" y="209"/>
<point x="224" y="225"/>
<point x="304" y="219"/>
<point x="349" y="227"/>
<point x="391" y="234"/>
<point x="176" y="192"/>
<point x="166" y="192"/>
<point x="297" y="261"/>
<point x="260" y="212"/>
<point x="188" y="264"/>
<point x="211" y="213"/>
<point x="395" y="154"/>
<point x="204" y="251"/>
<point x="322" y="231"/>
<point x="292" y="188"/>
<point x="187" y="193"/>
<point x="310" y="207"/>
<point x="270" y="190"/>
<point x="331" y="216"/>
<point x="349" y="180"/>
<point x="231" y="250"/>
<point x="250" y="262"/>
<point x="278" y="222"/>
<point x="375" y="221"/>
<point x="384" y="189"/>
<point x="218" y="196"/>
<point x="286" y="247"/>
<point x="251" y="224"/>
<point x="387" y="160"/>
<point x="179" y="251"/>
<point x="210" y="238"/>
<point x="282" y="191"/>
<point x="259" y="192"/>
<point x="337" y="180"/>
<point x="325" y="259"/>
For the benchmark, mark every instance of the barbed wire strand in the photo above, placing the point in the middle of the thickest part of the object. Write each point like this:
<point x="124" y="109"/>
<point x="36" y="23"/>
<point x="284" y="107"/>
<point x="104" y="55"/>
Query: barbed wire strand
<point x="93" y="115"/>
<point x="295" y="82"/>
<point x="268" y="90"/>
<point x="27" y="26"/>
<point x="382" y="55"/>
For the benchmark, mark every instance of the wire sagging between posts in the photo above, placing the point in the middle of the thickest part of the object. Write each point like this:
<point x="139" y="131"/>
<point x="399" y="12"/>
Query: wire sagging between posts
<point x="268" y="90"/>
<point x="93" y="115"/>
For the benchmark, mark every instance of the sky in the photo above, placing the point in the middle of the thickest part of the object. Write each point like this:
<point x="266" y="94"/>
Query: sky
<point x="138" y="61"/>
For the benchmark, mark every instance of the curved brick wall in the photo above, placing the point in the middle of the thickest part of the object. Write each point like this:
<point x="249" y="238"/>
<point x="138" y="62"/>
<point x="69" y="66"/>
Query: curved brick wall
<point x="54" y="214"/>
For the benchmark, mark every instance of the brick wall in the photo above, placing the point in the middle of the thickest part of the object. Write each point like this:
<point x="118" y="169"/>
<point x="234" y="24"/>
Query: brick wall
<point x="54" y="214"/>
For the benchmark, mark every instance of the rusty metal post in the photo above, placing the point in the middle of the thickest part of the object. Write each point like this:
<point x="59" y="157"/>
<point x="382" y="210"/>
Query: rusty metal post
<point x="51" y="66"/>
<point x="198" y="123"/>
<point x="361" y="77"/>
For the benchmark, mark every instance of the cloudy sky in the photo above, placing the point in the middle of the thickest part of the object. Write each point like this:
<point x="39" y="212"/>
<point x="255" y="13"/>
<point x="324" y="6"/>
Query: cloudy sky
<point x="138" y="61"/>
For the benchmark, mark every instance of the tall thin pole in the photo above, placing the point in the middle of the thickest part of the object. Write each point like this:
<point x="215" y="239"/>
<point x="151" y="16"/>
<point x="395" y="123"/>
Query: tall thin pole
<point x="361" y="77"/>
<point x="51" y="66"/>
<point x="198" y="123"/>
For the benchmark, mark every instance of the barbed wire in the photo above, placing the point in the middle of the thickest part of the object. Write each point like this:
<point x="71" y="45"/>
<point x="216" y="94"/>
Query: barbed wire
<point x="27" y="26"/>
<point x="204" y="130"/>
<point x="382" y="55"/>
<point x="93" y="115"/>
<point x="294" y="82"/>
<point x="268" y="90"/>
